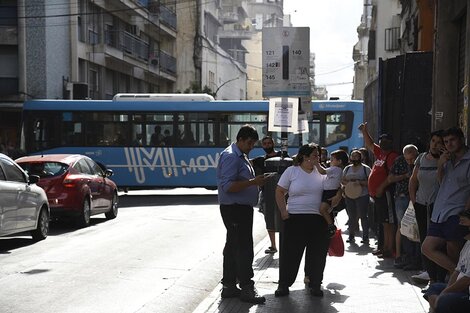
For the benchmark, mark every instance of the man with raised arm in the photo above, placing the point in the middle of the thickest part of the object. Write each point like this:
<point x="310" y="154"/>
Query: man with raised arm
<point x="380" y="188"/>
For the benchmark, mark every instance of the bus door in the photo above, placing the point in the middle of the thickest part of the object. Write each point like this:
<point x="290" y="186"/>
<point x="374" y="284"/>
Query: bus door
<point x="43" y="126"/>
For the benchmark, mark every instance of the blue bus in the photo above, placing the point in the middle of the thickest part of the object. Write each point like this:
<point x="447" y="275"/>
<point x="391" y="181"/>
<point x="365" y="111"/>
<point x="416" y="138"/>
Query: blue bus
<point x="171" y="142"/>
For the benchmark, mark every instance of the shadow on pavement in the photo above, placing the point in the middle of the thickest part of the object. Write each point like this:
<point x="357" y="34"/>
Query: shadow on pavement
<point x="266" y="261"/>
<point x="56" y="228"/>
<point x="7" y="244"/>
<point x="154" y="200"/>
<point x="296" y="301"/>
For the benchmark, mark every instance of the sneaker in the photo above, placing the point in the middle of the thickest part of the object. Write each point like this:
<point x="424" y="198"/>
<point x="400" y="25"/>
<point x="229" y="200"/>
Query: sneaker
<point x="250" y="295"/>
<point x="270" y="250"/>
<point x="377" y="252"/>
<point x="230" y="292"/>
<point x="281" y="291"/>
<point x="316" y="292"/>
<point x="422" y="277"/>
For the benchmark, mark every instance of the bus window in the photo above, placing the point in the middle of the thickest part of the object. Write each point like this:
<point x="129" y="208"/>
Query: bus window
<point x="335" y="128"/>
<point x="105" y="129"/>
<point x="248" y="118"/>
<point x="137" y="135"/>
<point x="205" y="133"/>
<point x="155" y="135"/>
<point x="187" y="137"/>
<point x="72" y="129"/>
<point x="168" y="117"/>
<point x="223" y="139"/>
<point x="161" y="132"/>
<point x="314" y="130"/>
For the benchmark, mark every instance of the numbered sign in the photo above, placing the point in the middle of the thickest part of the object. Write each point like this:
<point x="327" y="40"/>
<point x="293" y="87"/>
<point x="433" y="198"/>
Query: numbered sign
<point x="286" y="61"/>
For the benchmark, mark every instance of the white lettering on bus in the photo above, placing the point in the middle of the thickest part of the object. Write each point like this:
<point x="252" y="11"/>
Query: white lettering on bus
<point x="138" y="159"/>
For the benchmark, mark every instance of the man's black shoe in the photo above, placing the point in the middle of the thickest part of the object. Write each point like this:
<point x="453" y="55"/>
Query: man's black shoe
<point x="316" y="292"/>
<point x="230" y="292"/>
<point x="250" y="295"/>
<point x="281" y="291"/>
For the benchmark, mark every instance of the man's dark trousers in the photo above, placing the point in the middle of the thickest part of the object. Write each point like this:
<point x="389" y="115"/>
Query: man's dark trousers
<point x="238" y="250"/>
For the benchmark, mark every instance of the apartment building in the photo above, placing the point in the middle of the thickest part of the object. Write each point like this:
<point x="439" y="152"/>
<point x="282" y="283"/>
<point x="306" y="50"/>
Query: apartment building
<point x="83" y="49"/>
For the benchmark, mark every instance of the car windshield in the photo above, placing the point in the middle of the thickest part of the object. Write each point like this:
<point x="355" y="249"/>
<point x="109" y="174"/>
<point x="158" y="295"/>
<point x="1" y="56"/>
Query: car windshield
<point x="44" y="169"/>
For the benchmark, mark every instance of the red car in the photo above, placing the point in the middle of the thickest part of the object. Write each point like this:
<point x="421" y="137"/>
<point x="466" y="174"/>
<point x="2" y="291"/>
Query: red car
<point x="76" y="186"/>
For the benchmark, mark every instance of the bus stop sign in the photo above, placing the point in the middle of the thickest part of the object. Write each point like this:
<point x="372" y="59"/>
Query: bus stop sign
<point x="286" y="57"/>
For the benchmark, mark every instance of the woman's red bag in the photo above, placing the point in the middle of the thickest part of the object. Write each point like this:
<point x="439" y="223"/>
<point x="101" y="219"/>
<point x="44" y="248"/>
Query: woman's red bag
<point x="336" y="247"/>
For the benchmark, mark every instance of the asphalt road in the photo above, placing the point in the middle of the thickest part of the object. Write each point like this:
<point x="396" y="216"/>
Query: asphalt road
<point x="163" y="253"/>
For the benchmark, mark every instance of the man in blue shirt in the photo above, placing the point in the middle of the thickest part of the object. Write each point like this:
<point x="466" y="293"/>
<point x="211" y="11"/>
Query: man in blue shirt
<point x="238" y="193"/>
<point x="445" y="236"/>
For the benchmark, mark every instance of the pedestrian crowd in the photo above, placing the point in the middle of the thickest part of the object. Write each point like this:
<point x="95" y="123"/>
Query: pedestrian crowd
<point x="431" y="187"/>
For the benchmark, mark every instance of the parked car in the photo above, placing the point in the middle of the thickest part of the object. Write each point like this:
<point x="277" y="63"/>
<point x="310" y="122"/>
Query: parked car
<point x="23" y="204"/>
<point x="77" y="187"/>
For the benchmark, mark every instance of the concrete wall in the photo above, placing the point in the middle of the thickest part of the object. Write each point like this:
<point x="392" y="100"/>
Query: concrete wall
<point x="445" y="89"/>
<point x="386" y="9"/>
<point x="254" y="67"/>
<point x="185" y="44"/>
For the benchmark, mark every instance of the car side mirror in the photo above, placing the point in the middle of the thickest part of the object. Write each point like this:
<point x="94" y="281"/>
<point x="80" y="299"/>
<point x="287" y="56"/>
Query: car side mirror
<point x="108" y="173"/>
<point x="33" y="179"/>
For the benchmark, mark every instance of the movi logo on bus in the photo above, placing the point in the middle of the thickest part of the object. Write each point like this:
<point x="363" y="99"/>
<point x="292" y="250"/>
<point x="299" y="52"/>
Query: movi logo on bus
<point x="139" y="159"/>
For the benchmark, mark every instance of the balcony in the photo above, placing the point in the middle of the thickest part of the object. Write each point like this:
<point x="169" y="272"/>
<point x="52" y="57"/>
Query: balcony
<point x="159" y="15"/>
<point x="128" y="43"/>
<point x="135" y="46"/>
<point x="124" y="42"/>
<point x="167" y="63"/>
<point x="229" y="17"/>
<point x="237" y="31"/>
<point x="167" y="17"/>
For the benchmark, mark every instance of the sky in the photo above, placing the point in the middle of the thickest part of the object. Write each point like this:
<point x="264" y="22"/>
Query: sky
<point x="333" y="34"/>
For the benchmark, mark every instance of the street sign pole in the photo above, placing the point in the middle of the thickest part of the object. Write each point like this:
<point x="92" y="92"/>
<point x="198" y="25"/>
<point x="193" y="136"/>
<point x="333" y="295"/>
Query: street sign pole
<point x="286" y="68"/>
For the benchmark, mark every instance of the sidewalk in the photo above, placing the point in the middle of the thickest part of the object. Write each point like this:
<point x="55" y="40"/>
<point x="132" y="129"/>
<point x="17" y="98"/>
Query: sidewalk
<point x="356" y="283"/>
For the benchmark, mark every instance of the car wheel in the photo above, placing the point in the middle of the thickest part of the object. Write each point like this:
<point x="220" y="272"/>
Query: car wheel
<point x="113" y="211"/>
<point x="84" y="218"/>
<point x="41" y="231"/>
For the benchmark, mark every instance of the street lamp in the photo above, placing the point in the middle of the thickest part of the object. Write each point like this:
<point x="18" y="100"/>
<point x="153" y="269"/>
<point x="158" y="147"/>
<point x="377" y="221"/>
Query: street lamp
<point x="223" y="84"/>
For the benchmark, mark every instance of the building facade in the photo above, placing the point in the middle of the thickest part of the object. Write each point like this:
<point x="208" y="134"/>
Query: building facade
<point x="263" y="13"/>
<point x="83" y="49"/>
<point x="211" y="57"/>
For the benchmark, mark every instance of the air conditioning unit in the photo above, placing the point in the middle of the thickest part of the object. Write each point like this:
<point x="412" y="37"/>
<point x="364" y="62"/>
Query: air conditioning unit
<point x="154" y="61"/>
<point x="80" y="91"/>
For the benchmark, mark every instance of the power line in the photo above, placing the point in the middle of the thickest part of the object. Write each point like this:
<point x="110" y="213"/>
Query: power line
<point x="336" y="84"/>
<point x="191" y="3"/>
<point x="336" y="70"/>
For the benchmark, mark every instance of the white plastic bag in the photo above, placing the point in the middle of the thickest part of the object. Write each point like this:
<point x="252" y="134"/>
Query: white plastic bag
<point x="409" y="225"/>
